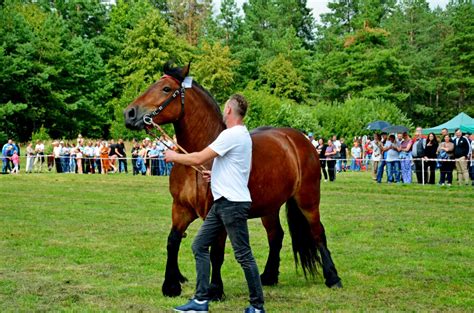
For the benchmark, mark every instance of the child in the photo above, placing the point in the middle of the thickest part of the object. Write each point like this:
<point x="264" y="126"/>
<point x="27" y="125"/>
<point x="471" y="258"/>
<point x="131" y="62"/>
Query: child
<point x="16" y="160"/>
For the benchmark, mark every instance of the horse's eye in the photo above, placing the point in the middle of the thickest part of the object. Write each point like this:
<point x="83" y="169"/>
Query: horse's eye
<point x="167" y="89"/>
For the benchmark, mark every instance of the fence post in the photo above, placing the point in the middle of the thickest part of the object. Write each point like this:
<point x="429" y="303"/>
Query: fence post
<point x="423" y="171"/>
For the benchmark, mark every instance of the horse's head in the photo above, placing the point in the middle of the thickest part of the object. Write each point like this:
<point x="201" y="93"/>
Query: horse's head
<point x="162" y="102"/>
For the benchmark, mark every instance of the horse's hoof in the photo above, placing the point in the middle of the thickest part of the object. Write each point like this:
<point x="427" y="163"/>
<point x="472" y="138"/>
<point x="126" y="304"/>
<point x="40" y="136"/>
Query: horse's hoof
<point x="268" y="280"/>
<point x="171" y="289"/>
<point x="337" y="285"/>
<point x="216" y="292"/>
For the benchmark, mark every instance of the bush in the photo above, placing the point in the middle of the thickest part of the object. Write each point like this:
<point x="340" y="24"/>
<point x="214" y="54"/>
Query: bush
<point x="346" y="119"/>
<point x="41" y="134"/>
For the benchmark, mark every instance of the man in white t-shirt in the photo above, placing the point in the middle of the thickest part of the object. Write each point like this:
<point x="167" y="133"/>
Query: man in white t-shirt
<point x="232" y="155"/>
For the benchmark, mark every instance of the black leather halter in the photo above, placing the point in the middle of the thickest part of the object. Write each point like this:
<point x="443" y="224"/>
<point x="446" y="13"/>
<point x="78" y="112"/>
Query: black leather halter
<point x="148" y="118"/>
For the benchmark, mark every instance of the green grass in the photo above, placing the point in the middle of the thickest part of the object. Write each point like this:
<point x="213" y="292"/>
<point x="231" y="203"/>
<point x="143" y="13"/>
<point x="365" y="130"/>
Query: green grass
<point x="98" y="243"/>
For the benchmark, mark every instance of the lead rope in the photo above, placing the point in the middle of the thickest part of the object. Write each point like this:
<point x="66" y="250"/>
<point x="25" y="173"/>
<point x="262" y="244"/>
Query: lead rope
<point x="167" y="137"/>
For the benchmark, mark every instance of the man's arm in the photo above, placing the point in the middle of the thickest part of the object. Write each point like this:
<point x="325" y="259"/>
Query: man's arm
<point x="195" y="158"/>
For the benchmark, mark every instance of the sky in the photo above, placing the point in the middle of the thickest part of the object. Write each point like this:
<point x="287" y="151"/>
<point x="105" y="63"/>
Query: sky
<point x="320" y="6"/>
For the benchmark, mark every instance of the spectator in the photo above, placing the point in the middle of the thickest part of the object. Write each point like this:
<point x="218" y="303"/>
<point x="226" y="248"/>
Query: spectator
<point x="430" y="156"/>
<point x="154" y="154"/>
<point x="88" y="157"/>
<point x="385" y="144"/>
<point x="368" y="153"/>
<point x="376" y="147"/>
<point x="392" y="160"/>
<point x="445" y="132"/>
<point x="65" y="155"/>
<point x="418" y="152"/>
<point x="344" y="152"/>
<point x="39" y="159"/>
<point x="97" y="160"/>
<point x="16" y="161"/>
<point x="72" y="159"/>
<point x="461" y="153"/>
<point x="356" y="153"/>
<point x="135" y="151"/>
<point x="30" y="158"/>
<point x="104" y="157"/>
<point x="446" y="155"/>
<point x="337" y="146"/>
<point x="405" y="158"/>
<point x="331" y="152"/>
<point x="322" y="157"/>
<point x="57" y="156"/>
<point x="79" y="157"/>
<point x="7" y="152"/>
<point x="122" y="156"/>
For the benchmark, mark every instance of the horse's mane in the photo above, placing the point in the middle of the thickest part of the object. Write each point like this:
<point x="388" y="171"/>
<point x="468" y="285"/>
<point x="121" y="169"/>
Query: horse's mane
<point x="177" y="73"/>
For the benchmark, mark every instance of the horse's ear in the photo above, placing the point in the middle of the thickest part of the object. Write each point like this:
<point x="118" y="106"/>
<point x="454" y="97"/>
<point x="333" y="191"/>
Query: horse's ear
<point x="186" y="69"/>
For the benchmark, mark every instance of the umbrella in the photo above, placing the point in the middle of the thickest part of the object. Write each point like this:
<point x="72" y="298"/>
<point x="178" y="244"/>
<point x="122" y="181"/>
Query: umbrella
<point x="395" y="129"/>
<point x="378" y="125"/>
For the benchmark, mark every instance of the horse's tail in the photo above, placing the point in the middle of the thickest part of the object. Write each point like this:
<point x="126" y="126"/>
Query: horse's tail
<point x="305" y="249"/>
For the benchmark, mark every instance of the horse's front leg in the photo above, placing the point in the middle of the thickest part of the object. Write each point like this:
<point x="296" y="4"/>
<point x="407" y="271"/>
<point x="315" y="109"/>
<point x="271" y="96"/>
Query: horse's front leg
<point x="182" y="217"/>
<point x="216" y="287"/>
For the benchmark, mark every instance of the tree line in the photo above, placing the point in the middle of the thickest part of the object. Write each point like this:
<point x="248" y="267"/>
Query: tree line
<point x="69" y="67"/>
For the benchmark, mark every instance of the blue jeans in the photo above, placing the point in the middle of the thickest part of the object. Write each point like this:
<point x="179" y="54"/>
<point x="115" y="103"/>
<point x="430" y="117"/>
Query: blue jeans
<point x="231" y="216"/>
<point x="380" y="170"/>
<point x="355" y="164"/>
<point x="393" y="168"/>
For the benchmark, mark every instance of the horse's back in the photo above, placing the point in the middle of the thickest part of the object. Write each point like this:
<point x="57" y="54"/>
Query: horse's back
<point x="282" y="160"/>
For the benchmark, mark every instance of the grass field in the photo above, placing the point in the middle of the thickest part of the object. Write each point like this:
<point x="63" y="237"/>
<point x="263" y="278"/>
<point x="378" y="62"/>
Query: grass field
<point x="98" y="243"/>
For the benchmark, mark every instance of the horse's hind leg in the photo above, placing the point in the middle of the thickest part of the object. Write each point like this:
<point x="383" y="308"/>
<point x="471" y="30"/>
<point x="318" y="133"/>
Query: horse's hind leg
<point x="275" y="239"/>
<point x="310" y="211"/>
<point x="182" y="217"/>
<point x="216" y="287"/>
<point x="332" y="280"/>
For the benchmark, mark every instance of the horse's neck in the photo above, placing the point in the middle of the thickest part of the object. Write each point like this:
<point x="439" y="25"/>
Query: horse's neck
<point x="200" y="124"/>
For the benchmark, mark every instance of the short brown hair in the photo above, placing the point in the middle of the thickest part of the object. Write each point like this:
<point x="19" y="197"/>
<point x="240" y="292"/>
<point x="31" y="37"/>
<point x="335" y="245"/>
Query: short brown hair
<point x="241" y="104"/>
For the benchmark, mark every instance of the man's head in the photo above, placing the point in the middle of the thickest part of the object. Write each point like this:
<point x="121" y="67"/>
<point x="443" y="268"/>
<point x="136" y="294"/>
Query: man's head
<point x="444" y="132"/>
<point x="10" y="141"/>
<point x="399" y="136"/>
<point x="458" y="133"/>
<point x="418" y="132"/>
<point x="236" y="107"/>
<point x="334" y="138"/>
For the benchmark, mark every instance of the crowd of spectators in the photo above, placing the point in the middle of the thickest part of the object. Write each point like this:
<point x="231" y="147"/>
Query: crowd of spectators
<point x="90" y="157"/>
<point x="399" y="155"/>
<point x="396" y="155"/>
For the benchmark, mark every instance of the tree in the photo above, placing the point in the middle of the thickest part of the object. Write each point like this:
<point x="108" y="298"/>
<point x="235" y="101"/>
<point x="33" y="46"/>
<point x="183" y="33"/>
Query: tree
<point x="459" y="47"/>
<point x="146" y="49"/>
<point x="214" y="68"/>
<point x="188" y="17"/>
<point x="364" y="67"/>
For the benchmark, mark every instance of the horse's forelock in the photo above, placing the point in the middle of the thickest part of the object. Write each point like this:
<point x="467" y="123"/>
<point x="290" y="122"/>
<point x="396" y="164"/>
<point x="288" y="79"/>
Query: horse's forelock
<point x="175" y="72"/>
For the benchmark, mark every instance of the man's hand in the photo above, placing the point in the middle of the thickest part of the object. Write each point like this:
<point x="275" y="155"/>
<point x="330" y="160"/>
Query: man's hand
<point x="170" y="156"/>
<point x="206" y="175"/>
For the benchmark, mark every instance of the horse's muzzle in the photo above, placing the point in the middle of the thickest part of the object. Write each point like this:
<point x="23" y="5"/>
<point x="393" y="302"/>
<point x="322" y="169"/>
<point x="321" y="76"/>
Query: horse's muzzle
<point x="133" y="120"/>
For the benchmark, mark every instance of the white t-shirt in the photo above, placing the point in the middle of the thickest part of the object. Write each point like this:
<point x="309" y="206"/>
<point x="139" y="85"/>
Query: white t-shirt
<point x="231" y="169"/>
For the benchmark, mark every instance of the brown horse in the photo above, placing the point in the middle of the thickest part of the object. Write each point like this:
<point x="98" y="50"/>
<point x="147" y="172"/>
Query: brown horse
<point x="285" y="169"/>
